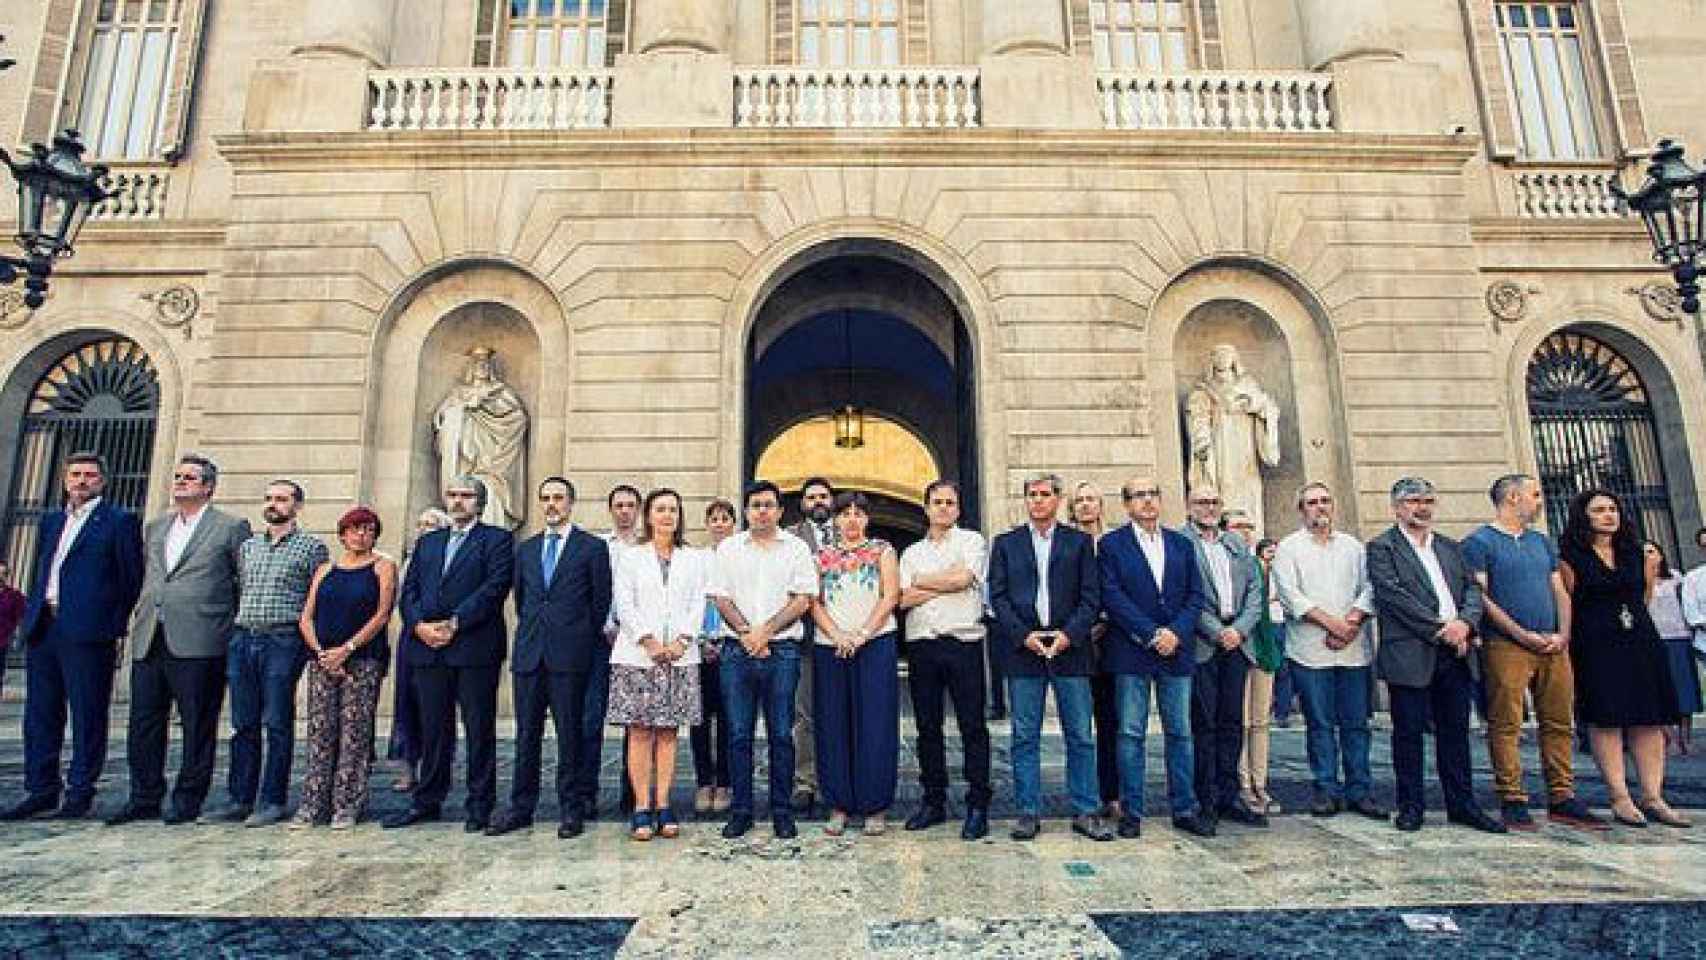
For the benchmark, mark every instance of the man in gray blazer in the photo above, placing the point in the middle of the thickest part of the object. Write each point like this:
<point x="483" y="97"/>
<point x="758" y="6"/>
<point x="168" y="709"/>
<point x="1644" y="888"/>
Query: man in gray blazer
<point x="1224" y="629"/>
<point x="182" y="625"/>
<point x="1430" y="607"/>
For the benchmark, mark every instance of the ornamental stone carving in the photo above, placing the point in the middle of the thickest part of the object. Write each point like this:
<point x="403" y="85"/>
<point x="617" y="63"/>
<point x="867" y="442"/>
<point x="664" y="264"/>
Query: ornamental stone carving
<point x="13" y="312"/>
<point x="1659" y="300"/>
<point x="1507" y="300"/>
<point x="176" y="307"/>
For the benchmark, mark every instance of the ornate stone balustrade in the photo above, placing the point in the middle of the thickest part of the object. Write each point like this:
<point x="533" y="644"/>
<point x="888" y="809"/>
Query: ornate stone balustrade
<point x="488" y="99"/>
<point x="863" y="97"/>
<point x="1271" y="102"/>
<point x="1582" y="194"/>
<point x="141" y="187"/>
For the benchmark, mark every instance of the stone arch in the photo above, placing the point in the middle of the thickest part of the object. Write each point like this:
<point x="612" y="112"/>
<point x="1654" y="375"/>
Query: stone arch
<point x="1295" y="320"/>
<point x="55" y="336"/>
<point x="390" y="477"/>
<point x="903" y="244"/>
<point x="1674" y="387"/>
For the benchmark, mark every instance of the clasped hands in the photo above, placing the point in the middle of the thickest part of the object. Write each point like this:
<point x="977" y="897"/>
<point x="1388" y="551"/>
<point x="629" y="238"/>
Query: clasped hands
<point x="1343" y="631"/>
<point x="332" y="659"/>
<point x="662" y="653"/>
<point x="1456" y="636"/>
<point x="848" y="642"/>
<point x="436" y="634"/>
<point x="1047" y="644"/>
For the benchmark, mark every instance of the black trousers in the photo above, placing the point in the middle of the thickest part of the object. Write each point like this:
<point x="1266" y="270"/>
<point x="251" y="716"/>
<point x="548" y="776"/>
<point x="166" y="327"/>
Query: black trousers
<point x="1448" y="698"/>
<point x="949" y="667"/>
<point x="472" y="692"/>
<point x="997" y="655"/>
<point x="710" y="739"/>
<point x="564" y="694"/>
<point x="1217" y="727"/>
<point x="197" y="686"/>
<point x="1105" y="713"/>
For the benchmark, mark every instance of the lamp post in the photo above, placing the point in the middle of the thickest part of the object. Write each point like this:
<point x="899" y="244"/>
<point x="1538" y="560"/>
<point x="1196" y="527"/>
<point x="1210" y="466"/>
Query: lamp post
<point x="56" y="192"/>
<point x="1670" y="205"/>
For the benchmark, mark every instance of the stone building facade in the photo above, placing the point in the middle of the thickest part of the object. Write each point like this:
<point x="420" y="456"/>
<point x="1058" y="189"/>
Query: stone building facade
<point x="1010" y="230"/>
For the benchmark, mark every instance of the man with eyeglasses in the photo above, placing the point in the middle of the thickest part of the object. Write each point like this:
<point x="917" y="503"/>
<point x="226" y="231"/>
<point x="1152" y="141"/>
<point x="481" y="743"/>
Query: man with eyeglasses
<point x="1329" y="604"/>
<point x="1430" y="609"/>
<point x="1223" y="635"/>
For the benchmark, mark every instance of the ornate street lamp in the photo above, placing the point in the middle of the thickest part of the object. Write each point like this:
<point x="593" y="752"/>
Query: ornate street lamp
<point x="1669" y="205"/>
<point x="56" y="192"/>
<point x="849" y="420"/>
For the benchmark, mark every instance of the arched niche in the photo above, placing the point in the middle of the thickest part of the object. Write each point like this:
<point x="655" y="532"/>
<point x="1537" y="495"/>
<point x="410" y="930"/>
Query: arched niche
<point x="1674" y="391"/>
<point x="1285" y="342"/>
<point x="420" y="351"/>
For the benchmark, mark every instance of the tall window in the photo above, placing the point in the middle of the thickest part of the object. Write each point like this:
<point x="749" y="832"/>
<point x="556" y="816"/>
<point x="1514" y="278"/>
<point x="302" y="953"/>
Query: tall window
<point x="1541" y="45"/>
<point x="1140" y="34"/>
<point x="541" y="33"/>
<point x="841" y="33"/>
<point x="131" y="51"/>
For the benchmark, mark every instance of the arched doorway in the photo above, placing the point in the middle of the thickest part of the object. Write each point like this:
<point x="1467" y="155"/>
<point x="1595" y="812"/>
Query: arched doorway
<point x="1592" y="419"/>
<point x="103" y="395"/>
<point x="863" y="324"/>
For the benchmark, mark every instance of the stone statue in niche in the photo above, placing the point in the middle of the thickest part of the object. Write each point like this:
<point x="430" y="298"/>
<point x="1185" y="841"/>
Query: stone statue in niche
<point x="1233" y="428"/>
<point x="481" y="430"/>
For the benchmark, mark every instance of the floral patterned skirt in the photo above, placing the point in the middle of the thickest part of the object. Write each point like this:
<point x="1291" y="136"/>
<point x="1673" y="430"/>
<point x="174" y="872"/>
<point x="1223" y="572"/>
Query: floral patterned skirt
<point x="656" y="696"/>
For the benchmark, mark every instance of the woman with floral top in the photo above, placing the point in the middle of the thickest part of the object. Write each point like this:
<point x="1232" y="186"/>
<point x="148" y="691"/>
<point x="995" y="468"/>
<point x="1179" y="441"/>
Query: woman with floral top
<point x="855" y="693"/>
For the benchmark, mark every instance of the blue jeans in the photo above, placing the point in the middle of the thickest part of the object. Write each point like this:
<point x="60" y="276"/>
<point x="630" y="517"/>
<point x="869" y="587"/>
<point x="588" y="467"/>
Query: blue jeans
<point x="1072" y="700"/>
<point x="262" y="670"/>
<point x="1173" y="699"/>
<point x="751" y="685"/>
<point x="1335" y="707"/>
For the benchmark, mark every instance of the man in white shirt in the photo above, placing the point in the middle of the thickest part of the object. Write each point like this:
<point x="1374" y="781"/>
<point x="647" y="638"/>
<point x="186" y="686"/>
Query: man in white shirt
<point x="941" y="581"/>
<point x="1328" y="603"/>
<point x="763" y="583"/>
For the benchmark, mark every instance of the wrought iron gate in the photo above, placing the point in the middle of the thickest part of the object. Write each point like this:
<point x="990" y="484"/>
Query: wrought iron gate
<point x="1593" y="426"/>
<point x="103" y="396"/>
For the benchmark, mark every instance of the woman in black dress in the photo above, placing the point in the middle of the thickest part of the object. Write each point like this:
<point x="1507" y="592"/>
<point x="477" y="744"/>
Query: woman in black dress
<point x="1623" y="685"/>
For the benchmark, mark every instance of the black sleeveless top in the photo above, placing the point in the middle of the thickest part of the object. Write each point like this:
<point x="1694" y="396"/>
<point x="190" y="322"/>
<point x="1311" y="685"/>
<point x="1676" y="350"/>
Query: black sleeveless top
<point x="347" y="599"/>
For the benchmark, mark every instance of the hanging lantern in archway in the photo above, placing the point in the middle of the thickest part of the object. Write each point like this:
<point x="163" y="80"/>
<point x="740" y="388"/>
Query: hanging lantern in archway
<point x="849" y="427"/>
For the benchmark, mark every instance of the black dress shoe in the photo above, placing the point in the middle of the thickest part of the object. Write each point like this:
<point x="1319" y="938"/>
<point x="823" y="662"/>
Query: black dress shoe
<point x="1197" y="826"/>
<point x="1091" y="827"/>
<point x="737" y="826"/>
<point x="133" y="812"/>
<point x="977" y="824"/>
<point x="1367" y="808"/>
<point x="410" y="817"/>
<point x="1130" y="828"/>
<point x="1026" y="828"/>
<point x="783" y="825"/>
<point x="30" y="806"/>
<point x="926" y="817"/>
<point x="74" y="811"/>
<point x="570" y="828"/>
<point x="477" y="822"/>
<point x="1324" y="805"/>
<point x="1409" y="819"/>
<point x="178" y="816"/>
<point x="1475" y="819"/>
<point x="1239" y="812"/>
<point x="508" y="822"/>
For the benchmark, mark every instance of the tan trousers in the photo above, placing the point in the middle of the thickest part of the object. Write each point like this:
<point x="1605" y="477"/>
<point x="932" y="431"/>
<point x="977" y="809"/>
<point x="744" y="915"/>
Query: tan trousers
<point x="1258" y="714"/>
<point x="1511" y="670"/>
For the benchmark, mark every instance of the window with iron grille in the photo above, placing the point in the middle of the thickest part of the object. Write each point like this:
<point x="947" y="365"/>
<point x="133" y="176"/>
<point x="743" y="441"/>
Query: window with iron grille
<point x="1543" y="48"/>
<point x="849" y="33"/>
<point x="1152" y="35"/>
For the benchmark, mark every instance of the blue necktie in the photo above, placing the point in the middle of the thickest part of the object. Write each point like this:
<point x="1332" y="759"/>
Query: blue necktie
<point x="451" y="547"/>
<point x="551" y="542"/>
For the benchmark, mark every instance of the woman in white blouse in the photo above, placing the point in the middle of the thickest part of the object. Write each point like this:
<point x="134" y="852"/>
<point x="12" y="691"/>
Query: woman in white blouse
<point x="659" y="597"/>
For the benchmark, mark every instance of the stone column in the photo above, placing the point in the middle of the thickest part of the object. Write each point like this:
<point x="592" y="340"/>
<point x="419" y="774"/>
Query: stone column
<point x="681" y="74"/>
<point x="1028" y="78"/>
<point x="322" y="85"/>
<point x="1375" y="90"/>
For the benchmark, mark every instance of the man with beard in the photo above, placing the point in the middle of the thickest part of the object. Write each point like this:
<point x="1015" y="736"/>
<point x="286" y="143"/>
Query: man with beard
<point x="267" y="656"/>
<point x="454" y="639"/>
<point x="818" y="532"/>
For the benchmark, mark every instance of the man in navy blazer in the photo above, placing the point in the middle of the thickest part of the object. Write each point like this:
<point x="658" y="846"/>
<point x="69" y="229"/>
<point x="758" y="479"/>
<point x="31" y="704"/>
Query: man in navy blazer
<point x="562" y="595"/>
<point x="1044" y="592"/>
<point x="1153" y="593"/>
<point x="89" y="569"/>
<point x="453" y="640"/>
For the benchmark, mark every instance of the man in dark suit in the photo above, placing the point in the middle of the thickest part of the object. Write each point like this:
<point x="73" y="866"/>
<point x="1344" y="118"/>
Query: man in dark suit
<point x="1044" y="591"/>
<point x="1430" y="607"/>
<point x="88" y="574"/>
<point x="816" y="529"/>
<point x="179" y="641"/>
<point x="562" y="594"/>
<point x="1152" y="590"/>
<point x="454" y="640"/>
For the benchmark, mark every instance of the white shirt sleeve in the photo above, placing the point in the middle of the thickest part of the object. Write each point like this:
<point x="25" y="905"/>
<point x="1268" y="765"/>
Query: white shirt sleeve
<point x="721" y="577"/>
<point x="976" y="556"/>
<point x="804" y="575"/>
<point x="1288" y="578"/>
